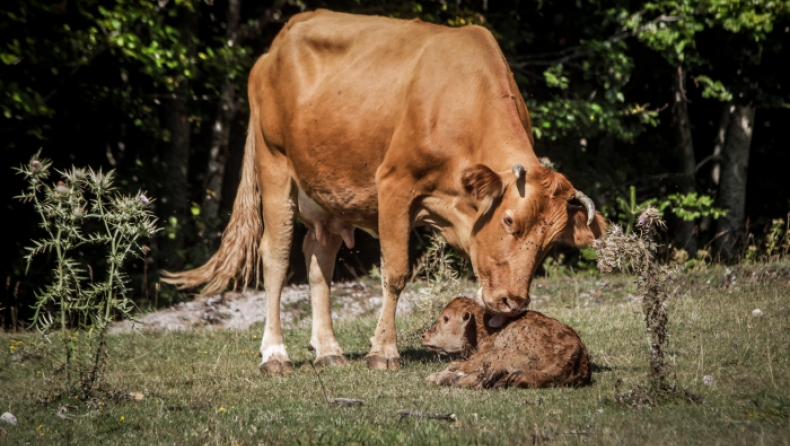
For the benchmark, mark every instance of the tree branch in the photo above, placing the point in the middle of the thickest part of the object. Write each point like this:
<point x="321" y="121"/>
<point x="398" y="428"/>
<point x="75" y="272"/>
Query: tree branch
<point x="569" y="54"/>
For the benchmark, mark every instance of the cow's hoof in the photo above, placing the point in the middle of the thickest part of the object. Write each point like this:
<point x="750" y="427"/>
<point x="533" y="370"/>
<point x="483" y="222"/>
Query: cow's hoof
<point x="382" y="363"/>
<point x="276" y="367"/>
<point x="331" y="360"/>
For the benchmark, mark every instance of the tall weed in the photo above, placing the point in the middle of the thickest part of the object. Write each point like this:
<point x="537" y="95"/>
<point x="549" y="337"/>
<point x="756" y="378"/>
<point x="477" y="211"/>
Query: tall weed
<point x="80" y="211"/>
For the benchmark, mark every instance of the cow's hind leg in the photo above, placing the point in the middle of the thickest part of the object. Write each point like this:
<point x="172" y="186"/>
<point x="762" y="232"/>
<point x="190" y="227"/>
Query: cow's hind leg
<point x="278" y="212"/>
<point x="320" y="260"/>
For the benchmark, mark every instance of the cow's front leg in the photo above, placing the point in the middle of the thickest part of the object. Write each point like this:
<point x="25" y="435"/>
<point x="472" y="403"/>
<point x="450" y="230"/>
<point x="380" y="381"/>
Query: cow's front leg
<point x="394" y="227"/>
<point x="320" y="260"/>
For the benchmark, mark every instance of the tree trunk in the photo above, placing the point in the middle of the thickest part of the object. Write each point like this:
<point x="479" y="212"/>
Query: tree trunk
<point x="685" y="234"/>
<point x="220" y="135"/>
<point x="715" y="171"/>
<point x="175" y="193"/>
<point x="721" y="136"/>
<point x="732" y="186"/>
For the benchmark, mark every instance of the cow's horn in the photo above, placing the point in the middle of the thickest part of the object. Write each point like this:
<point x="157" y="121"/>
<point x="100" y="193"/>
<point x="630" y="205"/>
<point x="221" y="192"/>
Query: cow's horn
<point x="588" y="203"/>
<point x="519" y="171"/>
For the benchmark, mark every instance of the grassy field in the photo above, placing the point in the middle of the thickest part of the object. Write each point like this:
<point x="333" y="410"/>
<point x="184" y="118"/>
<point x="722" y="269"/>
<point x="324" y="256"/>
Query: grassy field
<point x="203" y="387"/>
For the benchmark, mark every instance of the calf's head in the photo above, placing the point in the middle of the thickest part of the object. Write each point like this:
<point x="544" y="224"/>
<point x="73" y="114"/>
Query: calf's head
<point x="521" y="213"/>
<point x="456" y="331"/>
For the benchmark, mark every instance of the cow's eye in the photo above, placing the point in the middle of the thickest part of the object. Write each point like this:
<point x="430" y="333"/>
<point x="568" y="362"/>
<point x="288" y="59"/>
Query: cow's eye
<point x="507" y="220"/>
<point x="446" y="318"/>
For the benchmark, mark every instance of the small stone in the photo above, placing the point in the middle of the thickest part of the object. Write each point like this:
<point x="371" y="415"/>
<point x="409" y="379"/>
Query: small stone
<point x="599" y="411"/>
<point x="707" y="380"/>
<point x="8" y="418"/>
<point x="757" y="313"/>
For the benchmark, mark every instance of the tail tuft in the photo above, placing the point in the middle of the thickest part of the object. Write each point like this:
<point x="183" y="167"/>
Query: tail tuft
<point x="237" y="258"/>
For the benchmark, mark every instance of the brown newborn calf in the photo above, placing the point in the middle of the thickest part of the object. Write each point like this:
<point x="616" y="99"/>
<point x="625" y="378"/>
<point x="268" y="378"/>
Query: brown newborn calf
<point x="531" y="350"/>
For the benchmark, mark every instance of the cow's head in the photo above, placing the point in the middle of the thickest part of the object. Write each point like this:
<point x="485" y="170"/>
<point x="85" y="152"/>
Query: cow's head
<point x="520" y="215"/>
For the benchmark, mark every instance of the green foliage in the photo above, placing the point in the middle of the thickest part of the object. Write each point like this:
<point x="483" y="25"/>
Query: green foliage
<point x="772" y="245"/>
<point x="689" y="207"/>
<point x="713" y="89"/>
<point x="83" y="210"/>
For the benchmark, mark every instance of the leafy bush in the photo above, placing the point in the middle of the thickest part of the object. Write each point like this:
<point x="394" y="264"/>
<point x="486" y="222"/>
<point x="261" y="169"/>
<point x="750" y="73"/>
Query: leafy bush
<point x="689" y="207"/>
<point x="81" y="210"/>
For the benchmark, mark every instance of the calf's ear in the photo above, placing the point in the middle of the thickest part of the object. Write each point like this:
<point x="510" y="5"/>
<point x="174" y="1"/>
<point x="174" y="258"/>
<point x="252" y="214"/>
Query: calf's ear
<point x="466" y="316"/>
<point x="577" y="232"/>
<point x="482" y="185"/>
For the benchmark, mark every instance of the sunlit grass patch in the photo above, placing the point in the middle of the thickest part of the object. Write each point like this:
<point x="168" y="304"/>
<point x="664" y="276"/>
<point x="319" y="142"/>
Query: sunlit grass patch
<point x="199" y="387"/>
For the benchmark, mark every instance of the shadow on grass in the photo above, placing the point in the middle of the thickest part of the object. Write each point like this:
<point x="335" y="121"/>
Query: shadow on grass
<point x="598" y="368"/>
<point x="409" y="355"/>
<point x="423" y="356"/>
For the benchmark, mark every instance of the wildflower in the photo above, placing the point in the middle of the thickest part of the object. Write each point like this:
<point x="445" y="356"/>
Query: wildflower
<point x="707" y="380"/>
<point x="222" y="410"/>
<point x="122" y="418"/>
<point x="62" y="189"/>
<point x="78" y="211"/>
<point x="144" y="199"/>
<point x="35" y="164"/>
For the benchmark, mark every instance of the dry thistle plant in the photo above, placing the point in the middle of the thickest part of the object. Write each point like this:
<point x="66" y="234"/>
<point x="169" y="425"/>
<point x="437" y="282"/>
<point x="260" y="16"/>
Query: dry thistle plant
<point x="83" y="209"/>
<point x="439" y="269"/>
<point x="636" y="253"/>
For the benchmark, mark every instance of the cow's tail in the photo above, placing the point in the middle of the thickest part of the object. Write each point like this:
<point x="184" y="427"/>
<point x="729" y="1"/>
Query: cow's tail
<point x="237" y="258"/>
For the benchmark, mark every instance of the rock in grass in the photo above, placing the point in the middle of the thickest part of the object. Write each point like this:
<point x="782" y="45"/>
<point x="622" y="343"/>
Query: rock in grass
<point x="8" y="418"/>
<point x="707" y="380"/>
<point x="757" y="313"/>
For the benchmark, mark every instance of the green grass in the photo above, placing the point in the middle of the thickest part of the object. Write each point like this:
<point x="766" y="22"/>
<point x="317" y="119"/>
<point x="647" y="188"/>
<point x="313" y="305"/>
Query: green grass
<point x="204" y="387"/>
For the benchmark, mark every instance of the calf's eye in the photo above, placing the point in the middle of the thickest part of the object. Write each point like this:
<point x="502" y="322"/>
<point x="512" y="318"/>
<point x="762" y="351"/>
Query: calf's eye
<point x="446" y="318"/>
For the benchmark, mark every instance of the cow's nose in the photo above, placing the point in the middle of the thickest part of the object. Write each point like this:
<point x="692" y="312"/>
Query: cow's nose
<point x="509" y="303"/>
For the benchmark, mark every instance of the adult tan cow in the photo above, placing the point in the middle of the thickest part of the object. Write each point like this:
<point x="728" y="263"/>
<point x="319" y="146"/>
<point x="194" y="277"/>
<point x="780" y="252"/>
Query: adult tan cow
<point x="384" y="124"/>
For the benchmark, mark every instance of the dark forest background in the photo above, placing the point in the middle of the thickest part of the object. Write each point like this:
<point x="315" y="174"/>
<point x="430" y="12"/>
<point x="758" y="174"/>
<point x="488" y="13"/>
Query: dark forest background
<point x="675" y="100"/>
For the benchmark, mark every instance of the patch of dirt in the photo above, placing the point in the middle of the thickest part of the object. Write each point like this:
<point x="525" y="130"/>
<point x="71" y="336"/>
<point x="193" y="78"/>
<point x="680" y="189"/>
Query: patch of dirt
<point x="231" y="310"/>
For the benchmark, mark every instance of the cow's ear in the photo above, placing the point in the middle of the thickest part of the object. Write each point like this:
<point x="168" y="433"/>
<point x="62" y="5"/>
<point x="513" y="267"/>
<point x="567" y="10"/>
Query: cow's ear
<point x="482" y="184"/>
<point x="578" y="232"/>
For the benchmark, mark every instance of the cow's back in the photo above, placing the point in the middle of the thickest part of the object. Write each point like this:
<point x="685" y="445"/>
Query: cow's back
<point x="546" y="347"/>
<point x="338" y="93"/>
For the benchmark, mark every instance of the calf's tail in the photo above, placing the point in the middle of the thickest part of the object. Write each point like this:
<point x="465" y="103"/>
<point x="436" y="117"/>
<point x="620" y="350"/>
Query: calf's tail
<point x="237" y="258"/>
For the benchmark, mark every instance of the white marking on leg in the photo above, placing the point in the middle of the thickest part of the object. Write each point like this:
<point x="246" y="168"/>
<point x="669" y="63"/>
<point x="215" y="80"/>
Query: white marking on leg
<point x="272" y="351"/>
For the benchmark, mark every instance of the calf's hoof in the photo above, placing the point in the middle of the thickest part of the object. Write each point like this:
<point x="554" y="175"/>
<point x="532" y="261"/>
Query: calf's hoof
<point x="275" y="366"/>
<point x="332" y="360"/>
<point x="382" y="363"/>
